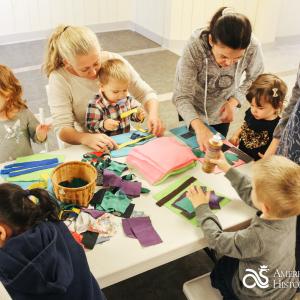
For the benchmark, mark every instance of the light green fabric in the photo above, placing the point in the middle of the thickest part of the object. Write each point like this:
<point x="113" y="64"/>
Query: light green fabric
<point x="178" y="171"/>
<point x="40" y="156"/>
<point x="175" y="185"/>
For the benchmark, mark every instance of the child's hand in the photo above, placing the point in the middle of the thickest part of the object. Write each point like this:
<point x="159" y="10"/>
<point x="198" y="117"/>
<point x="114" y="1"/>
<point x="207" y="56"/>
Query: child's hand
<point x="42" y="131"/>
<point x="111" y="124"/>
<point x="221" y="162"/>
<point x="196" y="196"/>
<point x="234" y="140"/>
<point x="140" y="115"/>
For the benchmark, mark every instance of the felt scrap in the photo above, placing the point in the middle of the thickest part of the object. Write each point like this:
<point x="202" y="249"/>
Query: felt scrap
<point x="130" y="188"/>
<point x="137" y="213"/>
<point x="145" y="190"/>
<point x="186" y="205"/>
<point x="172" y="197"/>
<point x="117" y="167"/>
<point x="74" y="183"/>
<point x="103" y="225"/>
<point x="125" y="137"/>
<point x="97" y="200"/>
<point x="141" y="228"/>
<point x="114" y="202"/>
<point x="198" y="153"/>
<point x="231" y="156"/>
<point x="77" y="237"/>
<point x="93" y="212"/>
<point x="37" y="175"/>
<point x="89" y="239"/>
<point x="102" y="239"/>
<point x="156" y="162"/>
<point x="128" y="212"/>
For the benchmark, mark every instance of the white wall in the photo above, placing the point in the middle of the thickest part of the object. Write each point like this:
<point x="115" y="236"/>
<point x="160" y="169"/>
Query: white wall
<point x="21" y="16"/>
<point x="150" y="14"/>
<point x="289" y="20"/>
<point x="269" y="18"/>
<point x="169" y="22"/>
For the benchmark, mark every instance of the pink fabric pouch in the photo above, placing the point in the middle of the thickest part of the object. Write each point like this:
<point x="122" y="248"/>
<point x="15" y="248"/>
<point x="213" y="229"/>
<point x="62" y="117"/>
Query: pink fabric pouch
<point x="159" y="157"/>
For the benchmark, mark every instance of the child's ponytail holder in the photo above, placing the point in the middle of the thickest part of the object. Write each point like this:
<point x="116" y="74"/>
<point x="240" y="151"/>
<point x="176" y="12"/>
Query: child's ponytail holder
<point x="275" y="92"/>
<point x="32" y="198"/>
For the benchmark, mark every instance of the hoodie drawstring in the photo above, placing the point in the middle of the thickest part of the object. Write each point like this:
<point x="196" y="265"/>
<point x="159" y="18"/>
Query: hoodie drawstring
<point x="205" y="89"/>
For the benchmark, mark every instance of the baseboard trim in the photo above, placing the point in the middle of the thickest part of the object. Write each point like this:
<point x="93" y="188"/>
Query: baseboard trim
<point x="44" y="34"/>
<point x="148" y="34"/>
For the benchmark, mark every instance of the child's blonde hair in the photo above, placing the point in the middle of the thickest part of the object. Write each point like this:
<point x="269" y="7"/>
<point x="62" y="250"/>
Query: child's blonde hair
<point x="277" y="184"/>
<point x="66" y="42"/>
<point x="269" y="88"/>
<point x="114" y="68"/>
<point x="11" y="89"/>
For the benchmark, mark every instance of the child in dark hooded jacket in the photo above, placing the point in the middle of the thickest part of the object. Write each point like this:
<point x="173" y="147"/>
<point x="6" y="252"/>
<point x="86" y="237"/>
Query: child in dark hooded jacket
<point x="39" y="258"/>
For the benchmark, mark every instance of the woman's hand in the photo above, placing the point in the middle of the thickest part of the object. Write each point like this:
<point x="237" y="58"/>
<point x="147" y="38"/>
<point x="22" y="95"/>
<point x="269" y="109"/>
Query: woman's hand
<point x="203" y="137"/>
<point x="99" y="142"/>
<point x="155" y="125"/>
<point x="42" y="131"/>
<point x="197" y="196"/>
<point x="227" y="110"/>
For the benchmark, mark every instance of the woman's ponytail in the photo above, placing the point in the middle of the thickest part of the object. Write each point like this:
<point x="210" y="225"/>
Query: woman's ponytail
<point x="53" y="58"/>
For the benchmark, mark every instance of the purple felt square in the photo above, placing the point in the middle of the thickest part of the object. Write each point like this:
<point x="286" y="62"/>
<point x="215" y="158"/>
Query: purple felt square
<point x="131" y="188"/>
<point x="93" y="212"/>
<point x="111" y="179"/>
<point x="144" y="231"/>
<point x="127" y="228"/>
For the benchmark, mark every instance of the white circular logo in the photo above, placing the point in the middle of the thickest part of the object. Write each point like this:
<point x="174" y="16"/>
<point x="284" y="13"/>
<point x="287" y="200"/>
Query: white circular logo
<point x="258" y="279"/>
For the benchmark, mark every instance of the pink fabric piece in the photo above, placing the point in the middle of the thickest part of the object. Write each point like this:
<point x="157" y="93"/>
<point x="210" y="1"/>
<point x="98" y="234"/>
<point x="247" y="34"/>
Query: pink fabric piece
<point x="159" y="157"/>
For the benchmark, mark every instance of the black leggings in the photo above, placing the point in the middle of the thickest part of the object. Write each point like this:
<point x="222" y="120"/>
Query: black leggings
<point x="222" y="274"/>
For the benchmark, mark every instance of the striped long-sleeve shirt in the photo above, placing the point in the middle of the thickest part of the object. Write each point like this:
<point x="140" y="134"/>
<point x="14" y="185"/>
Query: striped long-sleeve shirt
<point x="99" y="110"/>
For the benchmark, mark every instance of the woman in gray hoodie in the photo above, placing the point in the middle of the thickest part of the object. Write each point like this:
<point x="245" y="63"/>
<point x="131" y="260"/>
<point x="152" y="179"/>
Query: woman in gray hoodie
<point x="207" y="84"/>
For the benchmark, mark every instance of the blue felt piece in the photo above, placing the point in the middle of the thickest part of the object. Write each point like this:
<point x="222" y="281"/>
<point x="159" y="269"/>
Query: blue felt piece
<point x="30" y="170"/>
<point x="30" y="164"/>
<point x="125" y="137"/>
<point x="191" y="140"/>
<point x="25" y="166"/>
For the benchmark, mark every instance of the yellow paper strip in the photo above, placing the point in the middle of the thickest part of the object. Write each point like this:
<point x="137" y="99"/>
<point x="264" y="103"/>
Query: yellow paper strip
<point x="126" y="114"/>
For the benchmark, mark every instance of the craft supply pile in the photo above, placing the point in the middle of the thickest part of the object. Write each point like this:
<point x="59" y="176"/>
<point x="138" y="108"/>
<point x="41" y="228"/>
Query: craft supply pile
<point x="98" y="193"/>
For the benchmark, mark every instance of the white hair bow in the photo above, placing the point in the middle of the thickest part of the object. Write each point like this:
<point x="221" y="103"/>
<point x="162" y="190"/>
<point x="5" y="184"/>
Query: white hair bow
<point x="275" y="92"/>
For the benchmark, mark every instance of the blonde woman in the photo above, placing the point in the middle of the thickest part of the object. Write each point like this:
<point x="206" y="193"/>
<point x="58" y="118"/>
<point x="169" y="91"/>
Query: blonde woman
<point x="73" y="59"/>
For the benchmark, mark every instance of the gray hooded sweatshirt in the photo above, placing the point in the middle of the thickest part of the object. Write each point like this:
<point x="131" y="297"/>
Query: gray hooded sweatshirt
<point x="202" y="86"/>
<point x="268" y="243"/>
